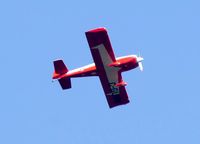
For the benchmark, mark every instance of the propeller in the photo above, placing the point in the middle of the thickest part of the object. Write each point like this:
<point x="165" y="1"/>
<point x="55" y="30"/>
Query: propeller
<point x="139" y="60"/>
<point x="141" y="66"/>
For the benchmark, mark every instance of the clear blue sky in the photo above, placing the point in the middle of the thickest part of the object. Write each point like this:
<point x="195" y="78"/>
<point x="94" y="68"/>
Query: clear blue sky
<point x="165" y="98"/>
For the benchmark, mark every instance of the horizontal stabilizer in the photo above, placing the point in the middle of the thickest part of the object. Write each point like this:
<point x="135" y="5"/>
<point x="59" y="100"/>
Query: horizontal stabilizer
<point x="65" y="83"/>
<point x="60" y="67"/>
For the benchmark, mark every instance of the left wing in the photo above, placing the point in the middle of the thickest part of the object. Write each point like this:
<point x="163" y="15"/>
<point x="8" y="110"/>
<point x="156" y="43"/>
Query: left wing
<point x="110" y="76"/>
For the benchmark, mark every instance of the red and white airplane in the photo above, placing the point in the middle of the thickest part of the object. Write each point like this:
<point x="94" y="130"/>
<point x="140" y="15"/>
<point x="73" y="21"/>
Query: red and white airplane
<point x="105" y="66"/>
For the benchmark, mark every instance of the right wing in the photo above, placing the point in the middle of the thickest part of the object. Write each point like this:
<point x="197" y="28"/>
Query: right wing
<point x="110" y="77"/>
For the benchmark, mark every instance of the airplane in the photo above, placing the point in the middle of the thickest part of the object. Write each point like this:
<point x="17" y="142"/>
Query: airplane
<point x="105" y="66"/>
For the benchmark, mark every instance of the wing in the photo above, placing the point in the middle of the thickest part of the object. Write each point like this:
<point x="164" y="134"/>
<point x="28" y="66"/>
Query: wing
<point x="110" y="77"/>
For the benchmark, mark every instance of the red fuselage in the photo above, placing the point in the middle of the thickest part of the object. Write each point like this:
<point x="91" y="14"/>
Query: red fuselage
<point x="122" y="63"/>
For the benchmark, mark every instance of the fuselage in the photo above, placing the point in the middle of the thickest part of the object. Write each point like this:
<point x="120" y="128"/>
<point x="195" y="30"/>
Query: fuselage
<point x="123" y="64"/>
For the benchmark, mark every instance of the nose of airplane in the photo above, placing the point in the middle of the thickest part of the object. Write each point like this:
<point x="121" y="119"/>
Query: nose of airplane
<point x="139" y="59"/>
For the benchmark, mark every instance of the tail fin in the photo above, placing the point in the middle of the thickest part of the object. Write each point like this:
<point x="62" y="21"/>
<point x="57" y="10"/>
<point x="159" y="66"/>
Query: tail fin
<point x="65" y="83"/>
<point x="59" y="68"/>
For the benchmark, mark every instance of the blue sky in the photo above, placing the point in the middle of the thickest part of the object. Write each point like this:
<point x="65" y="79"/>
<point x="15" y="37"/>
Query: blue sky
<point x="164" y="105"/>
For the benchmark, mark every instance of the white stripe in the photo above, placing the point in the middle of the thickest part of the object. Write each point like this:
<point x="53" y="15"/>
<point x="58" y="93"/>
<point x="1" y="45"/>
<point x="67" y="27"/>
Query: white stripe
<point x="81" y="68"/>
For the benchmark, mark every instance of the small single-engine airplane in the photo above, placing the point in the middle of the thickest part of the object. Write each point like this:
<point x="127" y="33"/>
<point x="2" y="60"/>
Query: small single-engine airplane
<point x="105" y="65"/>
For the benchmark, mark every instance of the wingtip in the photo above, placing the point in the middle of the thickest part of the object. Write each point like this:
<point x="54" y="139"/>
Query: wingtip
<point x="100" y="29"/>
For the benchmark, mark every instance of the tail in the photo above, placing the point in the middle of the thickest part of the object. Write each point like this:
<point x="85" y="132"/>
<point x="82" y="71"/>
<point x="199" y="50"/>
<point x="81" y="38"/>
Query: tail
<point x="61" y="69"/>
